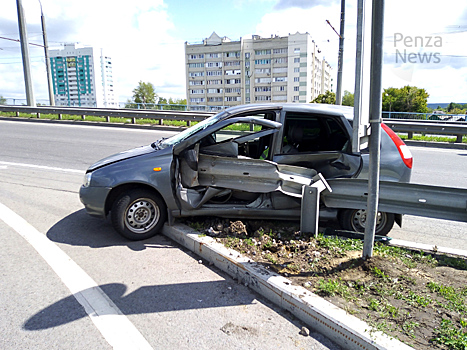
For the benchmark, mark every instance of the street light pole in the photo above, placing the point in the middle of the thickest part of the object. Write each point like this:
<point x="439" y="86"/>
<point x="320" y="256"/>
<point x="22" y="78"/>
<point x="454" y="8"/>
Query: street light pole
<point x="341" y="55"/>
<point x="47" y="62"/>
<point x="25" y="54"/>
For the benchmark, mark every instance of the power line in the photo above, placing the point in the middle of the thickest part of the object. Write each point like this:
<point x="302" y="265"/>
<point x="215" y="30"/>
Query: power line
<point x="17" y="40"/>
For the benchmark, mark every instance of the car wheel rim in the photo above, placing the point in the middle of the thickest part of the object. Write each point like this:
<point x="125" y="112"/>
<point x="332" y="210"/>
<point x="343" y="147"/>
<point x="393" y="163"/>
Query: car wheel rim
<point x="359" y="221"/>
<point x="142" y="215"/>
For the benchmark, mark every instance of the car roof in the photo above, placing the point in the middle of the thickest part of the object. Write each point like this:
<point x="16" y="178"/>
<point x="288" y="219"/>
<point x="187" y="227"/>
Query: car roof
<point x="320" y="108"/>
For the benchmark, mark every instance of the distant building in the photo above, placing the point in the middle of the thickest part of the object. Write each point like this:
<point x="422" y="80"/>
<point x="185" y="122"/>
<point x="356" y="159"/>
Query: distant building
<point x="221" y="72"/>
<point x="82" y="76"/>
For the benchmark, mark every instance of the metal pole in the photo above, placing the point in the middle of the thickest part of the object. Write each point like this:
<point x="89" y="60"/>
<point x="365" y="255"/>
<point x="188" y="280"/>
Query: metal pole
<point x="341" y="56"/>
<point x="47" y="62"/>
<point x="25" y="54"/>
<point x="377" y="24"/>
<point x="358" y="79"/>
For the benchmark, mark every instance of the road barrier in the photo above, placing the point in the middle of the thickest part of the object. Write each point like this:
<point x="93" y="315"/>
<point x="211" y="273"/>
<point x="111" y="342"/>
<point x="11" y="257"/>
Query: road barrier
<point x="440" y="127"/>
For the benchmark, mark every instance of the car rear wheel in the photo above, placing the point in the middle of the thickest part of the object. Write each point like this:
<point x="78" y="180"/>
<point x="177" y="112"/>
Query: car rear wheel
<point x="355" y="220"/>
<point x="138" y="214"/>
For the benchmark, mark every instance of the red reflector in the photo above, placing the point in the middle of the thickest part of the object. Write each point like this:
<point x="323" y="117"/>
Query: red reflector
<point x="404" y="151"/>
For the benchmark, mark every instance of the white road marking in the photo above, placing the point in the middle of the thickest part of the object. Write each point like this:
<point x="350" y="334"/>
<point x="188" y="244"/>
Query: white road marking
<point x="42" y="167"/>
<point x="116" y="328"/>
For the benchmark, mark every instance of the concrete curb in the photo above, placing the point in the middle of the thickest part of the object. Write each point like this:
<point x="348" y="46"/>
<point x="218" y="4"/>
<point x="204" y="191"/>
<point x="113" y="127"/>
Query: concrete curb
<point x="346" y="330"/>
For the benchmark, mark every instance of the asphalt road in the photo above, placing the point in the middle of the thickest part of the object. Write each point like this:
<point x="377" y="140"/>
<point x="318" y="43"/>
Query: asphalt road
<point x="97" y="290"/>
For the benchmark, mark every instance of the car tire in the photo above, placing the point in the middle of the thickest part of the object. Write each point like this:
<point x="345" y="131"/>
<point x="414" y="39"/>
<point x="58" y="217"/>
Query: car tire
<point x="355" y="220"/>
<point x="138" y="214"/>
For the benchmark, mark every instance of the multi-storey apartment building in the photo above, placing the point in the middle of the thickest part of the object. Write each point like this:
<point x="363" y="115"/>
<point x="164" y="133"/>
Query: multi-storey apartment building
<point x="222" y="73"/>
<point x="82" y="77"/>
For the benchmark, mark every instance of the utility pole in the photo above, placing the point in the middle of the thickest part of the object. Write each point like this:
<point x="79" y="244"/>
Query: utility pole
<point x="25" y="54"/>
<point x="377" y="25"/>
<point x="341" y="56"/>
<point x="47" y="62"/>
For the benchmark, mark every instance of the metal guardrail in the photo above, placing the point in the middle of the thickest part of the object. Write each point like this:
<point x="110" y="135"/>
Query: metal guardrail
<point x="132" y="114"/>
<point x="458" y="129"/>
<point x="400" y="198"/>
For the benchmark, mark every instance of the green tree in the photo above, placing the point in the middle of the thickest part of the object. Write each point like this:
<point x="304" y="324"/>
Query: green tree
<point x="144" y="94"/>
<point x="328" y="97"/>
<point x="405" y="99"/>
<point x="348" y="98"/>
<point x="2" y="100"/>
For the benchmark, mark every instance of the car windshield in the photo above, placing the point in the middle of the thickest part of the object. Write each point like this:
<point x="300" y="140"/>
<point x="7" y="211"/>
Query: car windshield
<point x="193" y="130"/>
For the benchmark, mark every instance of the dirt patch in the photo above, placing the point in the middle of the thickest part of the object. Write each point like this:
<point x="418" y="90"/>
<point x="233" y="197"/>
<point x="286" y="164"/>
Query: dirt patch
<point x="416" y="297"/>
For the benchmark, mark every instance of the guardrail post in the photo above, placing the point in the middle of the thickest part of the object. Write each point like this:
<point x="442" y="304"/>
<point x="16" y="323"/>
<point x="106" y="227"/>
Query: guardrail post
<point x="60" y="116"/>
<point x="83" y="117"/>
<point x="188" y="123"/>
<point x="107" y="119"/>
<point x="161" y="121"/>
<point x="458" y="138"/>
<point x="309" y="217"/>
<point x="38" y="115"/>
<point x="133" y="120"/>
<point x="410" y="135"/>
<point x="17" y="114"/>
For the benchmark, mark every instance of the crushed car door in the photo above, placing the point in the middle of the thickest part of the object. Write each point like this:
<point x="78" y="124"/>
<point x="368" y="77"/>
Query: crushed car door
<point x="228" y="162"/>
<point x="318" y="141"/>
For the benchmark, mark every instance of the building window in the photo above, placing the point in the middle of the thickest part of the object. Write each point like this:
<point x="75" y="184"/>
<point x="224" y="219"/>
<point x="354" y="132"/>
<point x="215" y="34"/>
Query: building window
<point x="262" y="98"/>
<point x="214" y="82"/>
<point x="263" y="70"/>
<point x="295" y="98"/>
<point x="262" y="88"/>
<point x="196" y="82"/>
<point x="196" y="74"/>
<point x="296" y="60"/>
<point x="233" y="72"/>
<point x="232" y="81"/>
<point x="262" y="52"/>
<point x="277" y="51"/>
<point x="296" y="88"/>
<point x="198" y="91"/>
<point x="265" y="61"/>
<point x="232" y="98"/>
<point x="281" y="60"/>
<point x="279" y="79"/>
<point x="296" y="70"/>
<point x="213" y="64"/>
<point x="196" y="57"/>
<point x="232" y="54"/>
<point x="214" y="72"/>
<point x="231" y="63"/>
<point x="214" y="91"/>
<point x="195" y="65"/>
<point x="280" y="88"/>
<point x="262" y="80"/>
<point x="296" y="79"/>
<point x="213" y="55"/>
<point x="296" y="50"/>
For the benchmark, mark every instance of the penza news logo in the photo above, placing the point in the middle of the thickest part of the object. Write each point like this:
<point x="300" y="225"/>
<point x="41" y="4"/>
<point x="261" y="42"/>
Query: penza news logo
<point x="415" y="42"/>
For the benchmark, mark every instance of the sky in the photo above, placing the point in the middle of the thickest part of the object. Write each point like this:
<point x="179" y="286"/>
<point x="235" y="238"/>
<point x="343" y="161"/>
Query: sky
<point x="424" y="40"/>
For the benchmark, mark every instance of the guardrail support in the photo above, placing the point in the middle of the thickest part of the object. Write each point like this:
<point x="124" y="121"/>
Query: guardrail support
<point x="309" y="217"/>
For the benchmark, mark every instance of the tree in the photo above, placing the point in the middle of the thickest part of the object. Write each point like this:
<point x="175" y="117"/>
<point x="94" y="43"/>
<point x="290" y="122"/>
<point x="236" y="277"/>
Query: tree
<point x="328" y="97"/>
<point x="144" y="94"/>
<point x="2" y="100"/>
<point x="348" y="98"/>
<point x="405" y="99"/>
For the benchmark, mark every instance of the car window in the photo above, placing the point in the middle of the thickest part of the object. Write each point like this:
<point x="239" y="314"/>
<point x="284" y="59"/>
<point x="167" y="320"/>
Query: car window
<point x="304" y="133"/>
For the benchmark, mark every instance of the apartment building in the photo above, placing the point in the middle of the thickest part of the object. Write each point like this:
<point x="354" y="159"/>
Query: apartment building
<point x="221" y="73"/>
<point x="82" y="76"/>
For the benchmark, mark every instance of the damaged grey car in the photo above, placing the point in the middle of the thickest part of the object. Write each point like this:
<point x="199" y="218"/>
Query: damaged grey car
<point x="246" y="162"/>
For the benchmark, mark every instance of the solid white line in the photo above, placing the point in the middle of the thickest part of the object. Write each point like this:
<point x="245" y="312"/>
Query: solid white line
<point x="43" y="167"/>
<point x="116" y="328"/>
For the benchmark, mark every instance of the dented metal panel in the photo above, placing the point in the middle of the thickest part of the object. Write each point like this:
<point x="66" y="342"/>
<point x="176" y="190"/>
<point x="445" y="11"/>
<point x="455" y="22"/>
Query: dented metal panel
<point x="252" y="175"/>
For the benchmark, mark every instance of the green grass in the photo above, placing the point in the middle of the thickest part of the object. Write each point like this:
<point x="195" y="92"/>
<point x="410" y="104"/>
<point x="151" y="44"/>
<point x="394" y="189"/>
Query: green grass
<point x="450" y="139"/>
<point x="452" y="335"/>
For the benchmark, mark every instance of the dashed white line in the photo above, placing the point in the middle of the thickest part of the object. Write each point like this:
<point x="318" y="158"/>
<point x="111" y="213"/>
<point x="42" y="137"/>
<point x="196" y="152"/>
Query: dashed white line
<point x="43" y="167"/>
<point x="115" y="327"/>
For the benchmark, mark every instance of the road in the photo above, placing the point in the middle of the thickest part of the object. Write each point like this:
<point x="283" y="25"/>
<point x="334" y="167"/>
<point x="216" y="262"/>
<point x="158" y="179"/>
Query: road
<point x="154" y="293"/>
<point x="69" y="282"/>
<point x="440" y="167"/>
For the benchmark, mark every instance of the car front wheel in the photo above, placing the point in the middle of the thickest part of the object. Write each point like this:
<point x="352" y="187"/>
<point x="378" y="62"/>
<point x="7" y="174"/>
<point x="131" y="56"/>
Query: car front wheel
<point x="138" y="214"/>
<point x="355" y="220"/>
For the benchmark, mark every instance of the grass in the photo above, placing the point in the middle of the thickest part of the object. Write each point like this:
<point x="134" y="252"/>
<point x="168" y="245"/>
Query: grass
<point x="450" y="139"/>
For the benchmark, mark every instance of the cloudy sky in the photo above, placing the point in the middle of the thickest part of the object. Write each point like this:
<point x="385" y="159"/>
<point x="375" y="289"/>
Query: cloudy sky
<point x="424" y="40"/>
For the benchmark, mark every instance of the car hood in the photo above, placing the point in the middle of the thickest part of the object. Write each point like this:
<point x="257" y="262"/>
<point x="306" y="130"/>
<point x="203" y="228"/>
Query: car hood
<point x="135" y="152"/>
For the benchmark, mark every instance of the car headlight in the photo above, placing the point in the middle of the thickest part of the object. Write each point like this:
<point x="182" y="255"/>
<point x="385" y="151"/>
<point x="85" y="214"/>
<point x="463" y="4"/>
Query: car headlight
<point x="87" y="180"/>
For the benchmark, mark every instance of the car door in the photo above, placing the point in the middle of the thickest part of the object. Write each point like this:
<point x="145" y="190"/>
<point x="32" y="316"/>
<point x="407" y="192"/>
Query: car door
<point x="317" y="141"/>
<point x="224" y="169"/>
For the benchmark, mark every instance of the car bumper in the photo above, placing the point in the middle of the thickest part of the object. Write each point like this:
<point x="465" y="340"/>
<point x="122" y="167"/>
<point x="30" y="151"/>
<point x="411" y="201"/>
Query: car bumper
<point x="94" y="199"/>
